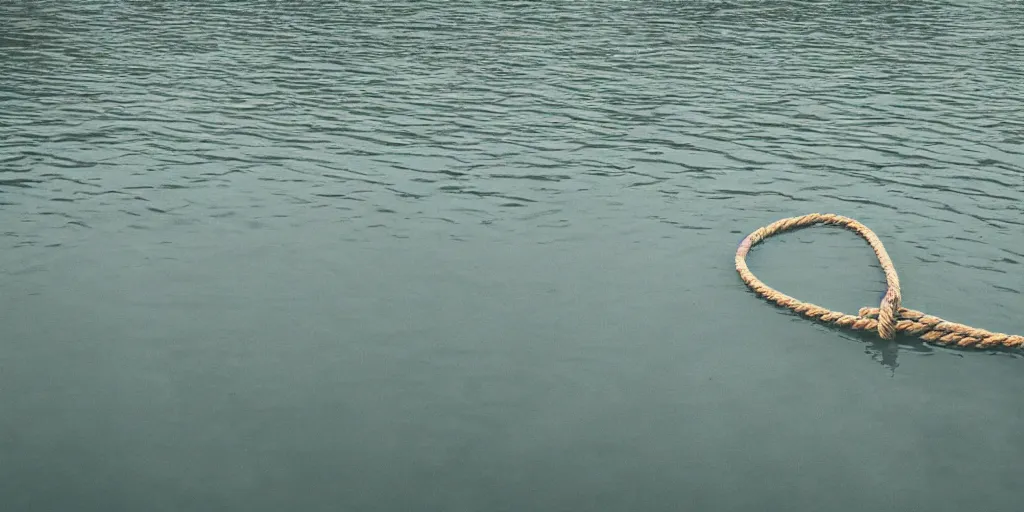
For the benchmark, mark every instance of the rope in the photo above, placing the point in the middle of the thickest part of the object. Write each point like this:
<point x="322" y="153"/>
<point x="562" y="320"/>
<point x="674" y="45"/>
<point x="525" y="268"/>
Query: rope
<point x="890" y="317"/>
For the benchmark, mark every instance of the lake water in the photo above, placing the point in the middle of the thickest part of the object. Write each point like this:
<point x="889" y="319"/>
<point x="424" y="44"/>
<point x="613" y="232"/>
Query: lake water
<point x="478" y="256"/>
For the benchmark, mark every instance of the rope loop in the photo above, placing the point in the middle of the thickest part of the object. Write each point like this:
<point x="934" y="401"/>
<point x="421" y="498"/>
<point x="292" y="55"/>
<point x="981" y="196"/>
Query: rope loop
<point x="890" y="317"/>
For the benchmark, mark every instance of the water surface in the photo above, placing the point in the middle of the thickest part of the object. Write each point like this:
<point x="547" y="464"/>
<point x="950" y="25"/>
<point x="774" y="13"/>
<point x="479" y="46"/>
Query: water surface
<point x="478" y="256"/>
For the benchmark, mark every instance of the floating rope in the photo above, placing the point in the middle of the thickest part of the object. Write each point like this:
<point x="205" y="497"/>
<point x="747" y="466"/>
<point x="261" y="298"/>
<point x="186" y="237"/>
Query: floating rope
<point x="890" y="317"/>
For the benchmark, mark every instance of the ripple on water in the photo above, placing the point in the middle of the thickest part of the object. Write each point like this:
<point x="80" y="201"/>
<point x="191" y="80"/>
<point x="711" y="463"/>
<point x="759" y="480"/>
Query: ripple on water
<point x="514" y="116"/>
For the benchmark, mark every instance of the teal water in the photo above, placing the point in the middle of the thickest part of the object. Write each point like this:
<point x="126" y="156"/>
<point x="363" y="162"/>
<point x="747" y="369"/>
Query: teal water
<point x="468" y="256"/>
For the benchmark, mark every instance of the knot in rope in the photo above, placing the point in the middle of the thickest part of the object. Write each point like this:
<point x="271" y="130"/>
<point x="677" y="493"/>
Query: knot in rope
<point x="890" y="317"/>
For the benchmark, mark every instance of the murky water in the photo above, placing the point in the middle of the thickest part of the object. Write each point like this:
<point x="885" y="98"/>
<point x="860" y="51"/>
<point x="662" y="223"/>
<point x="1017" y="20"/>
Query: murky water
<point x="478" y="256"/>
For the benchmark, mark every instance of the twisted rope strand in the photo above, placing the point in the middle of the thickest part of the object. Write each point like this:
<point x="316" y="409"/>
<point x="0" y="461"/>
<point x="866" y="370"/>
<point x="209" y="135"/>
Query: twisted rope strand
<point x="889" y="317"/>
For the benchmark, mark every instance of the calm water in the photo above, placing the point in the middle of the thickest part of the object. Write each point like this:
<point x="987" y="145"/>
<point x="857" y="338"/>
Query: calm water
<point x="470" y="256"/>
